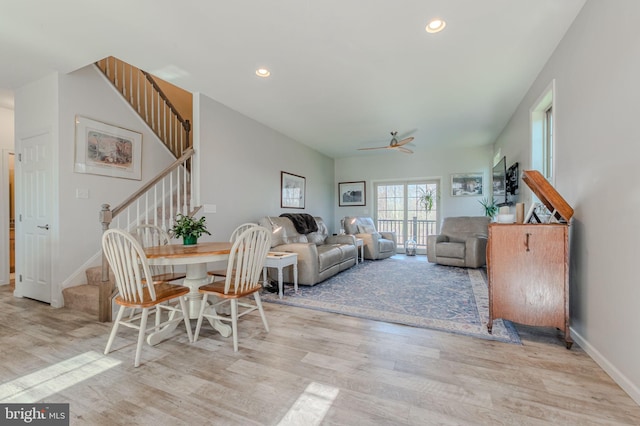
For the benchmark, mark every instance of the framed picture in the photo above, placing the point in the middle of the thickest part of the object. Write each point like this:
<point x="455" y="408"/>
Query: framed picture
<point x="103" y="149"/>
<point x="352" y="194"/>
<point x="292" y="191"/>
<point x="466" y="184"/>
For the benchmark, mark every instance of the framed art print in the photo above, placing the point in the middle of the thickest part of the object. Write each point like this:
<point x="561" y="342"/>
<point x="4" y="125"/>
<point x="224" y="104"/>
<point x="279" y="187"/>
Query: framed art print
<point x="352" y="194"/>
<point x="103" y="149"/>
<point x="466" y="184"/>
<point x="292" y="188"/>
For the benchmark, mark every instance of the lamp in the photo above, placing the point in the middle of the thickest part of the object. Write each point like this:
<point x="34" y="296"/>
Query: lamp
<point x="274" y="228"/>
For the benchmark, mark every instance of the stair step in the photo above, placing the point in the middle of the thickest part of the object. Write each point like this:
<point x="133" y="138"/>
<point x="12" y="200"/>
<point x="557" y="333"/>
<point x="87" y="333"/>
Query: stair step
<point x="94" y="275"/>
<point x="82" y="298"/>
<point x="86" y="297"/>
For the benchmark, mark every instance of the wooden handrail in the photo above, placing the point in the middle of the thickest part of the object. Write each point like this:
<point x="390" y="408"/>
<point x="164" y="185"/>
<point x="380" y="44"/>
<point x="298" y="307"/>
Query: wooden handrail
<point x="146" y="97"/>
<point x="185" y="123"/>
<point x="133" y="197"/>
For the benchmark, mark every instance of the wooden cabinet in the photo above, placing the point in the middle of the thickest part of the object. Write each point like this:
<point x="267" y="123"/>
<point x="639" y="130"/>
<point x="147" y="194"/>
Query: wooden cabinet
<point x="528" y="275"/>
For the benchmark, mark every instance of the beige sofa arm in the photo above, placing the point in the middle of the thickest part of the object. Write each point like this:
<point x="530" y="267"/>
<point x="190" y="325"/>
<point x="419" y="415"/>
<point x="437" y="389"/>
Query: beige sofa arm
<point x="370" y="242"/>
<point x="475" y="252"/>
<point x="307" y="259"/>
<point x="432" y="240"/>
<point x="390" y="236"/>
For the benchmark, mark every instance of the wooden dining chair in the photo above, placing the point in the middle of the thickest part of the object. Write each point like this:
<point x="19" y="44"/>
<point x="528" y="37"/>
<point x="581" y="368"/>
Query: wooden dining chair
<point x="149" y="235"/>
<point x="244" y="269"/>
<point x="222" y="273"/>
<point x="137" y="289"/>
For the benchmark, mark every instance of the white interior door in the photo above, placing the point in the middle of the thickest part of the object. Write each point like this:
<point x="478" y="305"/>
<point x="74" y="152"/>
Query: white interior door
<point x="33" y="227"/>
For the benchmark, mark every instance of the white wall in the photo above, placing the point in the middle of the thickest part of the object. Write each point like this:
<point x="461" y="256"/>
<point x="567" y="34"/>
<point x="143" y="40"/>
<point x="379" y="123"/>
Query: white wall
<point x="432" y="164"/>
<point x="6" y="128"/>
<point x="78" y="94"/>
<point x="240" y="164"/>
<point x="596" y="68"/>
<point x="52" y="103"/>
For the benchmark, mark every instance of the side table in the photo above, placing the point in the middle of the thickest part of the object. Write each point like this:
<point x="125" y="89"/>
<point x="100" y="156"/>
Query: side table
<point x="359" y="250"/>
<point x="276" y="259"/>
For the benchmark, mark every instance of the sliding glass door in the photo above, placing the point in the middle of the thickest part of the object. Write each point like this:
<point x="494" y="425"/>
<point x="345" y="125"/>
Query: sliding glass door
<point x="398" y="208"/>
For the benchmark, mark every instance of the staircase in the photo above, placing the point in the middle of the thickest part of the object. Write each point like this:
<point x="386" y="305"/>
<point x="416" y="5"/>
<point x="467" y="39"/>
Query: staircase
<point x="86" y="297"/>
<point x="158" y="201"/>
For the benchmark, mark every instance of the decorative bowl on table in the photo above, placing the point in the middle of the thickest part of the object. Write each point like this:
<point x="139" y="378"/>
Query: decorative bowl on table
<point x="506" y="218"/>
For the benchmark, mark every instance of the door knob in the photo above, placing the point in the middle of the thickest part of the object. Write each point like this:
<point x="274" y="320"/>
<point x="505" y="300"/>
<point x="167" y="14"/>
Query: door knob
<point x="44" y="227"/>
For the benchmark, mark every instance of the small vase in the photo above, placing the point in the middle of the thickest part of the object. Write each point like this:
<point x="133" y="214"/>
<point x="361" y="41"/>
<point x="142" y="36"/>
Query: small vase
<point x="190" y="240"/>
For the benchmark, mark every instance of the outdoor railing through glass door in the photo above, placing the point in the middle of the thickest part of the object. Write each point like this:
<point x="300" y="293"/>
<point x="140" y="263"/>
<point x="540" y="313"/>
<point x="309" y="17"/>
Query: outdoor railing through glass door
<point x="416" y="229"/>
<point x="398" y="209"/>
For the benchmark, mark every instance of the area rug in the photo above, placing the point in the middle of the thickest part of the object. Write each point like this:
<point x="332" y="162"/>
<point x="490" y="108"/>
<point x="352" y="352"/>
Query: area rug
<point x="406" y="290"/>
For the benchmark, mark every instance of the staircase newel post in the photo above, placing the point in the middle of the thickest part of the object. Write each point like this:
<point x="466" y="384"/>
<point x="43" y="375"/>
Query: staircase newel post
<point x="104" y="298"/>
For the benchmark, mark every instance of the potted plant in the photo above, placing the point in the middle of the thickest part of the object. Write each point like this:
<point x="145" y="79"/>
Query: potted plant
<point x="427" y="200"/>
<point x="490" y="208"/>
<point x="189" y="228"/>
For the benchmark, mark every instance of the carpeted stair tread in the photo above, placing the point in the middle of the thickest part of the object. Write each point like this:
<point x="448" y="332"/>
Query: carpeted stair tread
<point x="85" y="297"/>
<point x="94" y="275"/>
<point x="82" y="298"/>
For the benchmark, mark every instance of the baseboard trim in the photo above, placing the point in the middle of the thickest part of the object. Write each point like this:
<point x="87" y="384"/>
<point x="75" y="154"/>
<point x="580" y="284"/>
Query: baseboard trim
<point x="623" y="381"/>
<point x="79" y="277"/>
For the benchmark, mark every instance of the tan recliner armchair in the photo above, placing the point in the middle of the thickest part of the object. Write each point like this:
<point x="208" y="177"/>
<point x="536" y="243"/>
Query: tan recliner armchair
<point x="462" y="242"/>
<point x="377" y="245"/>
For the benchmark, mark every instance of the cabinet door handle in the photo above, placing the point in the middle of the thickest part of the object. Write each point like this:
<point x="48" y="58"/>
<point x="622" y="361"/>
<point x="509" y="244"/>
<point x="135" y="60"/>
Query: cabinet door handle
<point x="527" y="241"/>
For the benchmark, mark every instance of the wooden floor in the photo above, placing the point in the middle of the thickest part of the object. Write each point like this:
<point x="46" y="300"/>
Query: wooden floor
<point x="312" y="368"/>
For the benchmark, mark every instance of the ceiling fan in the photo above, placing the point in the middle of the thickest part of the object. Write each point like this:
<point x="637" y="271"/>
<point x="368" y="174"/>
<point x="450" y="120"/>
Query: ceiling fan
<point x="395" y="144"/>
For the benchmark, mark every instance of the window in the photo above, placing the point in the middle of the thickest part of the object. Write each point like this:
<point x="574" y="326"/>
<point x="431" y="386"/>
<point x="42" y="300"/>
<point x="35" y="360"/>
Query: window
<point x="542" y="134"/>
<point x="547" y="166"/>
<point x="398" y="209"/>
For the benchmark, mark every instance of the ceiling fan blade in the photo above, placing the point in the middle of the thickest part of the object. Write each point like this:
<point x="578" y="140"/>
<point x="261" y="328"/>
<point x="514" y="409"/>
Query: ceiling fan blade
<point x="403" y="149"/>
<point x="378" y="147"/>
<point x="404" y="141"/>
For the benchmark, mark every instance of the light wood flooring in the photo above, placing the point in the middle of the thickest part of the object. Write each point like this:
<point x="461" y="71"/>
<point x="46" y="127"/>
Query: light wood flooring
<point x="312" y="368"/>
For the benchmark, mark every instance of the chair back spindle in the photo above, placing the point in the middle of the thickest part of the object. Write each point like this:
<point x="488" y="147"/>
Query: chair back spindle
<point x="247" y="258"/>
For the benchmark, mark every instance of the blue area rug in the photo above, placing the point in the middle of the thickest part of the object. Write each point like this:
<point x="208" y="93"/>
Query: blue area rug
<point x="406" y="290"/>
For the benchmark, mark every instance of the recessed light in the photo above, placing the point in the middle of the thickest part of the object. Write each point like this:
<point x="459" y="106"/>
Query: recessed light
<point x="436" y="25"/>
<point x="263" y="72"/>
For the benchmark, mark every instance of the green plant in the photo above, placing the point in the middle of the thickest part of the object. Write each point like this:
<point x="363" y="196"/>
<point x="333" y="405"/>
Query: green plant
<point x="427" y="199"/>
<point x="490" y="208"/>
<point x="188" y="226"/>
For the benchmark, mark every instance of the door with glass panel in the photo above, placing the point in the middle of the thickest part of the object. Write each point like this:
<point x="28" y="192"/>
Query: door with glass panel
<point x="398" y="208"/>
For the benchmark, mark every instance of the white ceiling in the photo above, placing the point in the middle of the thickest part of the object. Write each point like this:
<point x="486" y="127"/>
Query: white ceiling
<point x="343" y="73"/>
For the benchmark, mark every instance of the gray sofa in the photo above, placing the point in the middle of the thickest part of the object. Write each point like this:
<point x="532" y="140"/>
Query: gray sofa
<point x="377" y="245"/>
<point x="462" y="242"/>
<point x="320" y="255"/>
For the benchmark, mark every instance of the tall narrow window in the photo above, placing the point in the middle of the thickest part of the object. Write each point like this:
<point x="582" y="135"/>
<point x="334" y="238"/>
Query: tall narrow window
<point x="542" y="134"/>
<point x="548" y="144"/>
<point x="398" y="209"/>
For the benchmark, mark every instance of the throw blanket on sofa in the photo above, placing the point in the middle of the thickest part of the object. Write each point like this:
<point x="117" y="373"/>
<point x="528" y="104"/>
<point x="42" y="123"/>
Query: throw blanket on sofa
<point x="304" y="222"/>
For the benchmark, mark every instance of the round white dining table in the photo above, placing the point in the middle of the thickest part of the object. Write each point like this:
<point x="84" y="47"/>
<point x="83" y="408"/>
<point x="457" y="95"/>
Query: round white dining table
<point x="195" y="258"/>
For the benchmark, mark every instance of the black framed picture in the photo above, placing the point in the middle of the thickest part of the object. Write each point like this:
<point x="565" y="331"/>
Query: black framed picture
<point x="352" y="194"/>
